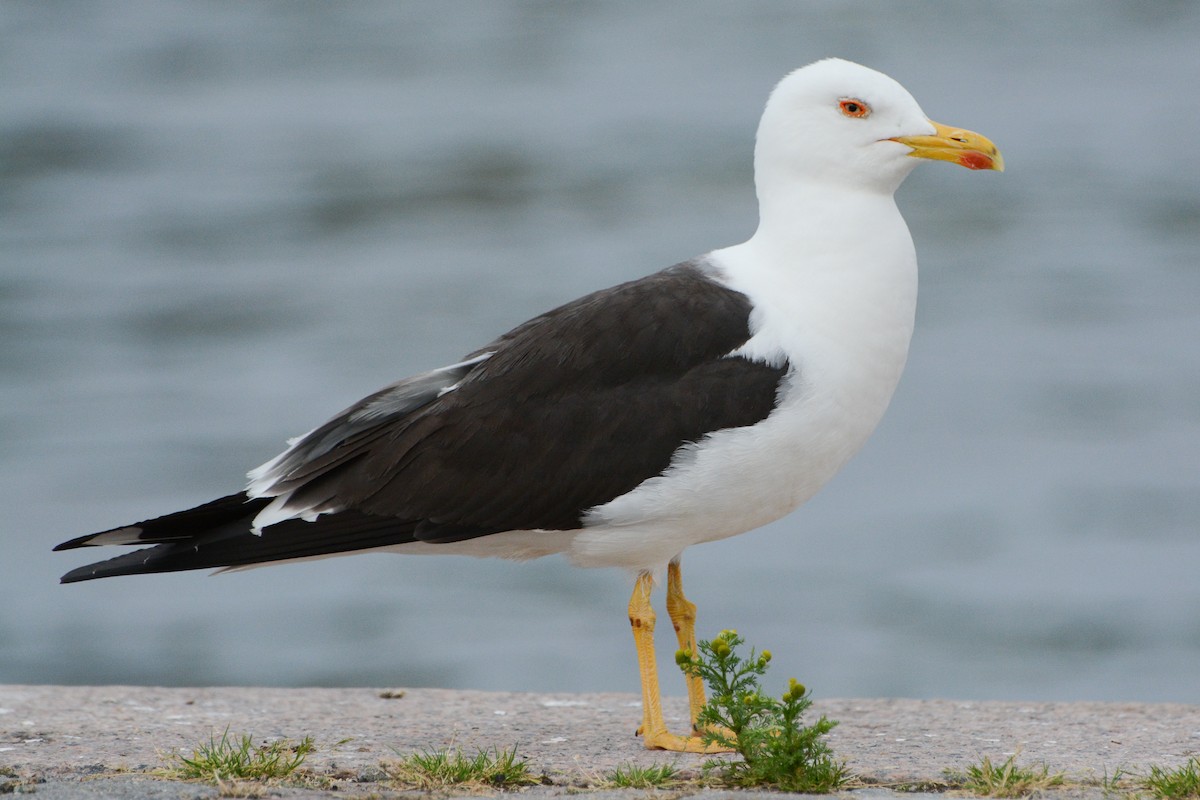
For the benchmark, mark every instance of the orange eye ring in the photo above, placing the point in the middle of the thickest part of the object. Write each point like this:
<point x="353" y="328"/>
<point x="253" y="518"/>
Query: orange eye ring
<point x="853" y="107"/>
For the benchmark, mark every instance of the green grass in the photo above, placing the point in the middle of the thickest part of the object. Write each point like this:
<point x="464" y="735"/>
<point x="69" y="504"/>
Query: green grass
<point x="444" y="768"/>
<point x="633" y="776"/>
<point x="1117" y="785"/>
<point x="776" y="749"/>
<point x="1007" y="779"/>
<point x="1010" y="780"/>
<point x="1175" y="784"/>
<point x="236" y="758"/>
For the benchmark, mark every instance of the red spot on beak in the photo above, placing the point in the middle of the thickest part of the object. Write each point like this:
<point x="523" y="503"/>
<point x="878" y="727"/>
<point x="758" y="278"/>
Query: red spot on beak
<point x="973" y="160"/>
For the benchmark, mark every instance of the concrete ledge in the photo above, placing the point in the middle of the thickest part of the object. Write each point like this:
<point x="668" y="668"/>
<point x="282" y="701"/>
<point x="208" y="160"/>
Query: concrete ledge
<point x="67" y="733"/>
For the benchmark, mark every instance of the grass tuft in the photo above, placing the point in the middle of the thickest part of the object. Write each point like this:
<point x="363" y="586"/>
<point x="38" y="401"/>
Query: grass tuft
<point x="1175" y="784"/>
<point x="776" y="749"/>
<point x="236" y="758"/>
<point x="1118" y="786"/>
<point x="444" y="768"/>
<point x="1007" y="779"/>
<point x="633" y="776"/>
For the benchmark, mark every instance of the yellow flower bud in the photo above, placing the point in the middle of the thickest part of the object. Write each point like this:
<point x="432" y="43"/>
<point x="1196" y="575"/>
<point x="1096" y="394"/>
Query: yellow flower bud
<point x="683" y="656"/>
<point x="795" y="690"/>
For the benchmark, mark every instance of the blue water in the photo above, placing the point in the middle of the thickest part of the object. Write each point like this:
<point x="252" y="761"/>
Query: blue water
<point x="221" y="223"/>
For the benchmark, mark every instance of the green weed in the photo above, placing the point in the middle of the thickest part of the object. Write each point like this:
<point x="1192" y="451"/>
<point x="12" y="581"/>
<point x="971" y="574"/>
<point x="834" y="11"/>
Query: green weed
<point x="236" y="758"/>
<point x="776" y="749"/>
<point x="1006" y="780"/>
<point x="1175" y="784"/>
<point x="632" y="776"/>
<point x="444" y="768"/>
<point x="1118" y="785"/>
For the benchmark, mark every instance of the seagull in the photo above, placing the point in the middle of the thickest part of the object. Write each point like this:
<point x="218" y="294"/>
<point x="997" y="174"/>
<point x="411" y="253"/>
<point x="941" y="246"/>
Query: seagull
<point x="697" y="403"/>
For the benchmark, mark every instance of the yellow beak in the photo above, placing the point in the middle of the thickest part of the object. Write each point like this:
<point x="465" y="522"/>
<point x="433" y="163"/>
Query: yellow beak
<point x="956" y="145"/>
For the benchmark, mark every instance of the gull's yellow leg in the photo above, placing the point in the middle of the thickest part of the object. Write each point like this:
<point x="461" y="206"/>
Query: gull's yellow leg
<point x="683" y="616"/>
<point x="654" y="727"/>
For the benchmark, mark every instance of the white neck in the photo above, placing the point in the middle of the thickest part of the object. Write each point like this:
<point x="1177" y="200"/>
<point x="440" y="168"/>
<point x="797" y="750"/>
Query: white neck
<point x="833" y="277"/>
<point x="810" y="219"/>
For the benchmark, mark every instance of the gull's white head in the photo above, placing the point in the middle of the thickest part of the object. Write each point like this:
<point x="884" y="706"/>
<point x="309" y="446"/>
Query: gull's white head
<point x="835" y="122"/>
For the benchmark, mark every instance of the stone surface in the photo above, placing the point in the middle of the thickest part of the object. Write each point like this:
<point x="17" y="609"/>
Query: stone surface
<point x="74" y="738"/>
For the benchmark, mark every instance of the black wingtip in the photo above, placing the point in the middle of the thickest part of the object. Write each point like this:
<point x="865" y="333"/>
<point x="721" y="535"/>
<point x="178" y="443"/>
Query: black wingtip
<point x="79" y="541"/>
<point x="231" y="544"/>
<point x="75" y="576"/>
<point x="84" y="573"/>
<point x="140" y="562"/>
<point x="179" y="526"/>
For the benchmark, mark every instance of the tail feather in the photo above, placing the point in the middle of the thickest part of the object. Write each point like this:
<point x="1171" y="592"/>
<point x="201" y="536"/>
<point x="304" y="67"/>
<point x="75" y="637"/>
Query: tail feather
<point x="217" y="534"/>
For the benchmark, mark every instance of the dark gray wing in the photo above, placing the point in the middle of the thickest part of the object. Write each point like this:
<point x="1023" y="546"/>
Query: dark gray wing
<point x="566" y="412"/>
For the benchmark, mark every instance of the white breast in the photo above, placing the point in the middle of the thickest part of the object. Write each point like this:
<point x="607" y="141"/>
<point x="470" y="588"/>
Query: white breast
<point x="843" y="319"/>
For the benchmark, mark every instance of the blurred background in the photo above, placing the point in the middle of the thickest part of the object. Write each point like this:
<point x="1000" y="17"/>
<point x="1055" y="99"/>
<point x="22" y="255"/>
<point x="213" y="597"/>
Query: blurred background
<point x="220" y="223"/>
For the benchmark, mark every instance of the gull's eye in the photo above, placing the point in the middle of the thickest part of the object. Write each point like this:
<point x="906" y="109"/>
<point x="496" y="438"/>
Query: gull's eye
<point x="853" y="107"/>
